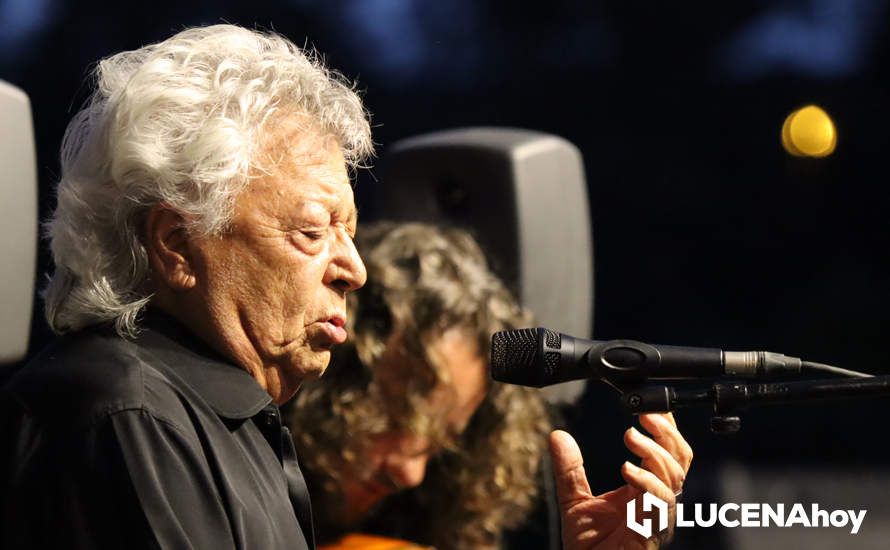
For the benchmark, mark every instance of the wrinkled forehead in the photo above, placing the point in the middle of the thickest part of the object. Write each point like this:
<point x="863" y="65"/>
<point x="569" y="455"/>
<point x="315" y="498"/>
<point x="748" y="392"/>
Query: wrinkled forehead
<point x="293" y="141"/>
<point x="300" y="174"/>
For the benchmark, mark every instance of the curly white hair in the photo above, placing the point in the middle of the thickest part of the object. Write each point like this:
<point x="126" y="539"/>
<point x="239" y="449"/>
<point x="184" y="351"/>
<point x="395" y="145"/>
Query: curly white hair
<point x="178" y="122"/>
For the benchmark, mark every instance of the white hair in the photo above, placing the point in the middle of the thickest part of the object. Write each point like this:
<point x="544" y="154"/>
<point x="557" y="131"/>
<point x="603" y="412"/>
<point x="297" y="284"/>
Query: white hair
<point x="178" y="122"/>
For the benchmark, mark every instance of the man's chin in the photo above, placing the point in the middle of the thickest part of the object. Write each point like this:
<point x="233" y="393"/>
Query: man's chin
<point x="311" y="366"/>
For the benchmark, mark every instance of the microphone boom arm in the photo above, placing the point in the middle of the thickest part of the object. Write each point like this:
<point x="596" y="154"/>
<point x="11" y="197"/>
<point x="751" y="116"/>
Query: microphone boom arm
<point x="728" y="398"/>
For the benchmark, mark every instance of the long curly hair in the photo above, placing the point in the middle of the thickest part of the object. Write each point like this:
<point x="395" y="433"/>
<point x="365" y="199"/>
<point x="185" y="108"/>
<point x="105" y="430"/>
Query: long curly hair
<point x="422" y="281"/>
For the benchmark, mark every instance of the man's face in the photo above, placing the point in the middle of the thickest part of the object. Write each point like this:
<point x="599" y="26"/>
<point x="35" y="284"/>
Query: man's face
<point x="396" y="460"/>
<point x="275" y="283"/>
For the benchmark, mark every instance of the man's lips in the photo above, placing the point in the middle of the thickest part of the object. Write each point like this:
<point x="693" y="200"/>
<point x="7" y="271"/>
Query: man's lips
<point x="334" y="330"/>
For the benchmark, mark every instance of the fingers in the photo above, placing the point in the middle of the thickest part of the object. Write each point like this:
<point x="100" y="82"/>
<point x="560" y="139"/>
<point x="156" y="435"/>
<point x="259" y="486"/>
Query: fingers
<point x="645" y="481"/>
<point x="669" y="416"/>
<point x="664" y="430"/>
<point x="656" y="459"/>
<point x="568" y="470"/>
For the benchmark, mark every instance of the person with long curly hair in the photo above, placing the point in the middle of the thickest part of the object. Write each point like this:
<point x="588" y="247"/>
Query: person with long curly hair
<point x="406" y="436"/>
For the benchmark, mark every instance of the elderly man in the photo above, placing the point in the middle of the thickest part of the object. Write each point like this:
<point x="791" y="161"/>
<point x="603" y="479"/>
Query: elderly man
<point x="203" y="251"/>
<point x="407" y="437"/>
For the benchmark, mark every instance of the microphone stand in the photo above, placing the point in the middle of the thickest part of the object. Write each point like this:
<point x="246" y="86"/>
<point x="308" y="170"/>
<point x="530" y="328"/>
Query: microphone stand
<point x="729" y="398"/>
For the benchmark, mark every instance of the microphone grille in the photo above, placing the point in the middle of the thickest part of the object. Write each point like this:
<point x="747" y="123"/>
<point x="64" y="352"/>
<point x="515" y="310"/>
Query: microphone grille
<point x="513" y="353"/>
<point x="551" y="361"/>
<point x="553" y="339"/>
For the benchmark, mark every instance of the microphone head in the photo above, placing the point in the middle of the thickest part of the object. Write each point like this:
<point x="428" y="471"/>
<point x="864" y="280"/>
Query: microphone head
<point x="519" y="356"/>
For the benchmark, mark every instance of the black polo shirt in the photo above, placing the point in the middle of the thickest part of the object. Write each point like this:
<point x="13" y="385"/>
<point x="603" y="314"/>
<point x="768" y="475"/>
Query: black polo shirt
<point x="154" y="442"/>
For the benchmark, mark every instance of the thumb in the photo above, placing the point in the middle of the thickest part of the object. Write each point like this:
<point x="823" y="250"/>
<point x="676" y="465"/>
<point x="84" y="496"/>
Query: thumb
<point x="568" y="470"/>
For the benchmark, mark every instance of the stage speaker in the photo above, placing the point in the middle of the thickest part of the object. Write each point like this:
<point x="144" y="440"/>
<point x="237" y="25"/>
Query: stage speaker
<point x="524" y="197"/>
<point x="18" y="222"/>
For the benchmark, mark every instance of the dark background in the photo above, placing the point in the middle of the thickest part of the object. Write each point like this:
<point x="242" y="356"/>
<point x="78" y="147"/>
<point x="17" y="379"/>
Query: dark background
<point x="706" y="232"/>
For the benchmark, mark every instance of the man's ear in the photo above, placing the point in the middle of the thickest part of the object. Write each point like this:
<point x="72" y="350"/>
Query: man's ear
<point x="167" y="244"/>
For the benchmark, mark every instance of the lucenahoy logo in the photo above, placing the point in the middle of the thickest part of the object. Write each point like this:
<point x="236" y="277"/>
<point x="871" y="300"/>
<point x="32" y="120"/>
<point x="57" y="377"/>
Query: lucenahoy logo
<point x="748" y="514"/>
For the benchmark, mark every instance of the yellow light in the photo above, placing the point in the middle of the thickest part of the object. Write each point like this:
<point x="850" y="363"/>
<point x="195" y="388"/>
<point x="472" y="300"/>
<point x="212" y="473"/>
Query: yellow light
<point x="809" y="132"/>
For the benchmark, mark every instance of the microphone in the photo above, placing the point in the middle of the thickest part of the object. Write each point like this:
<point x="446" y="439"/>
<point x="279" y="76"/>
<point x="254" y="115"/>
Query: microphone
<point x="540" y="357"/>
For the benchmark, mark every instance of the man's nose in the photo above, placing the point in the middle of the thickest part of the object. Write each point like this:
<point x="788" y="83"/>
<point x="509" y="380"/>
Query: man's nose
<point x="408" y="471"/>
<point x="347" y="270"/>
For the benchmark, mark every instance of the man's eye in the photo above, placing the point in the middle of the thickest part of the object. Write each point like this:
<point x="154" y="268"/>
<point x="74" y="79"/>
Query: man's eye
<point x="313" y="235"/>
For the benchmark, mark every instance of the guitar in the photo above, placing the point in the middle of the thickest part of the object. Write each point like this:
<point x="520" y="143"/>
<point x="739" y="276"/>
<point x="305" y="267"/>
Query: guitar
<point x="358" y="541"/>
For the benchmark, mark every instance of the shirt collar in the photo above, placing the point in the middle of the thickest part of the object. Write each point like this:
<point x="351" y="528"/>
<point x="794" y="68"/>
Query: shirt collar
<point x="229" y="390"/>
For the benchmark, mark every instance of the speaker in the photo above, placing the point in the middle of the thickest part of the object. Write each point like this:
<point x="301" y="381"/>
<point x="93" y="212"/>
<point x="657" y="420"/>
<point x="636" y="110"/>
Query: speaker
<point x="18" y="222"/>
<point x="521" y="193"/>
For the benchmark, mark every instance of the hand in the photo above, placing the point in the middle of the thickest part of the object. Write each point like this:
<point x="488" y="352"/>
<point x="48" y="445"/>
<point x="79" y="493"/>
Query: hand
<point x="600" y="522"/>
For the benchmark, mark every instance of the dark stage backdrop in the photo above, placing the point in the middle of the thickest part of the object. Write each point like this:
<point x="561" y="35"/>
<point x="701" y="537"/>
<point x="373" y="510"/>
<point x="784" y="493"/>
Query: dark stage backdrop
<point x="706" y="232"/>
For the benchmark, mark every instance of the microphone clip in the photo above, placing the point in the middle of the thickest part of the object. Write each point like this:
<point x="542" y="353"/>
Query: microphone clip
<point x="622" y="363"/>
